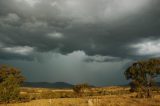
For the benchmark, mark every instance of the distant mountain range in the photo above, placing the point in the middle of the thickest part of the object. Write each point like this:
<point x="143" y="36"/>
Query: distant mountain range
<point x="58" y="85"/>
<point x="47" y="85"/>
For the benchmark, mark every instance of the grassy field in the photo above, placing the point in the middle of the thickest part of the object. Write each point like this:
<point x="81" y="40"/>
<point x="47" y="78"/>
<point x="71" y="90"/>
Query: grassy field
<point x="113" y="96"/>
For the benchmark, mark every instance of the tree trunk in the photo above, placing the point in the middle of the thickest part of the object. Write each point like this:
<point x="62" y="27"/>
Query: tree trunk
<point x="149" y="92"/>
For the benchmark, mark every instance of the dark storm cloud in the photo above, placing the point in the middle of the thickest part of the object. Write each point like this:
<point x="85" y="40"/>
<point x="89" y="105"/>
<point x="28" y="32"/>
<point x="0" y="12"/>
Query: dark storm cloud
<point x="97" y="27"/>
<point x="78" y="41"/>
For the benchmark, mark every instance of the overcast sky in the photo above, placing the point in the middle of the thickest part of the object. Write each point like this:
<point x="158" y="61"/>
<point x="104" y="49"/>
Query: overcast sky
<point x="78" y="41"/>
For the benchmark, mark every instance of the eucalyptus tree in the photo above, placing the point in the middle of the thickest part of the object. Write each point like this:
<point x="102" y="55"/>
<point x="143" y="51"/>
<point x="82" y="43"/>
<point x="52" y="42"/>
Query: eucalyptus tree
<point x="142" y="74"/>
<point x="10" y="82"/>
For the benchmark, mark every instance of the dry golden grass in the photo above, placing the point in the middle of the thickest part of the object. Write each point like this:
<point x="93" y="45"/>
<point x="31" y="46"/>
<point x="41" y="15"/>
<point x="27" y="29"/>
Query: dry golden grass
<point x="106" y="100"/>
<point x="113" y="100"/>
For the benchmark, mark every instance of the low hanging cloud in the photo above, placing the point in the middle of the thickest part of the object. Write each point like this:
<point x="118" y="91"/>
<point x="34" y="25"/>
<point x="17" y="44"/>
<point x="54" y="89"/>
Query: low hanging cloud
<point x="98" y="58"/>
<point x="148" y="47"/>
<point x="25" y="50"/>
<point x="72" y="68"/>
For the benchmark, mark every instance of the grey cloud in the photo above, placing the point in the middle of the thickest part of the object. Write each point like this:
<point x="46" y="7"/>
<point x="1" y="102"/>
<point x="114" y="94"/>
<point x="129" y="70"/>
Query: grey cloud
<point x="148" y="47"/>
<point x="80" y="40"/>
<point x="102" y="27"/>
<point x="98" y="58"/>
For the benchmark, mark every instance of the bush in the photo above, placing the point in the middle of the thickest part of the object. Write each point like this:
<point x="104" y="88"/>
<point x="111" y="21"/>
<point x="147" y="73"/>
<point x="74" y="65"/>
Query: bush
<point x="10" y="81"/>
<point x="80" y="89"/>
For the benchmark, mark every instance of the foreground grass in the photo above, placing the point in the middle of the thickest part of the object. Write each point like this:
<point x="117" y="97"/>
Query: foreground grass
<point x="121" y="100"/>
<point x="103" y="100"/>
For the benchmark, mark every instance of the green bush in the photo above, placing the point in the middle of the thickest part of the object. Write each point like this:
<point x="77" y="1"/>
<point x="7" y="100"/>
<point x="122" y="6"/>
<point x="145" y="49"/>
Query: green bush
<point x="10" y="81"/>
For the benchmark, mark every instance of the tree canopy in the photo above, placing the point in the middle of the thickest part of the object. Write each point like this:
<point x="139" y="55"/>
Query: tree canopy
<point x="142" y="73"/>
<point x="10" y="81"/>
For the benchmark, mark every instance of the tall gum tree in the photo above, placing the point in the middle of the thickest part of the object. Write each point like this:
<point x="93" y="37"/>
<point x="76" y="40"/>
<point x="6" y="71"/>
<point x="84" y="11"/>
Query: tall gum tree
<point x="142" y="74"/>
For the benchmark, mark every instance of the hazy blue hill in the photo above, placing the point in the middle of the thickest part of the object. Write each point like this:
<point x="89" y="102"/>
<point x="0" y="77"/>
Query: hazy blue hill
<point x="47" y="85"/>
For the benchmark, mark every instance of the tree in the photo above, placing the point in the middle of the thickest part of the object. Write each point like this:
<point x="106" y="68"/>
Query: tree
<point x="142" y="74"/>
<point x="10" y="82"/>
<point x="80" y="88"/>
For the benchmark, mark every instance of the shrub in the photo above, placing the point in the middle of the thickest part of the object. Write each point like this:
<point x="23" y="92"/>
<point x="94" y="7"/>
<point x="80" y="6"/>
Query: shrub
<point x="10" y="81"/>
<point x="80" y="89"/>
